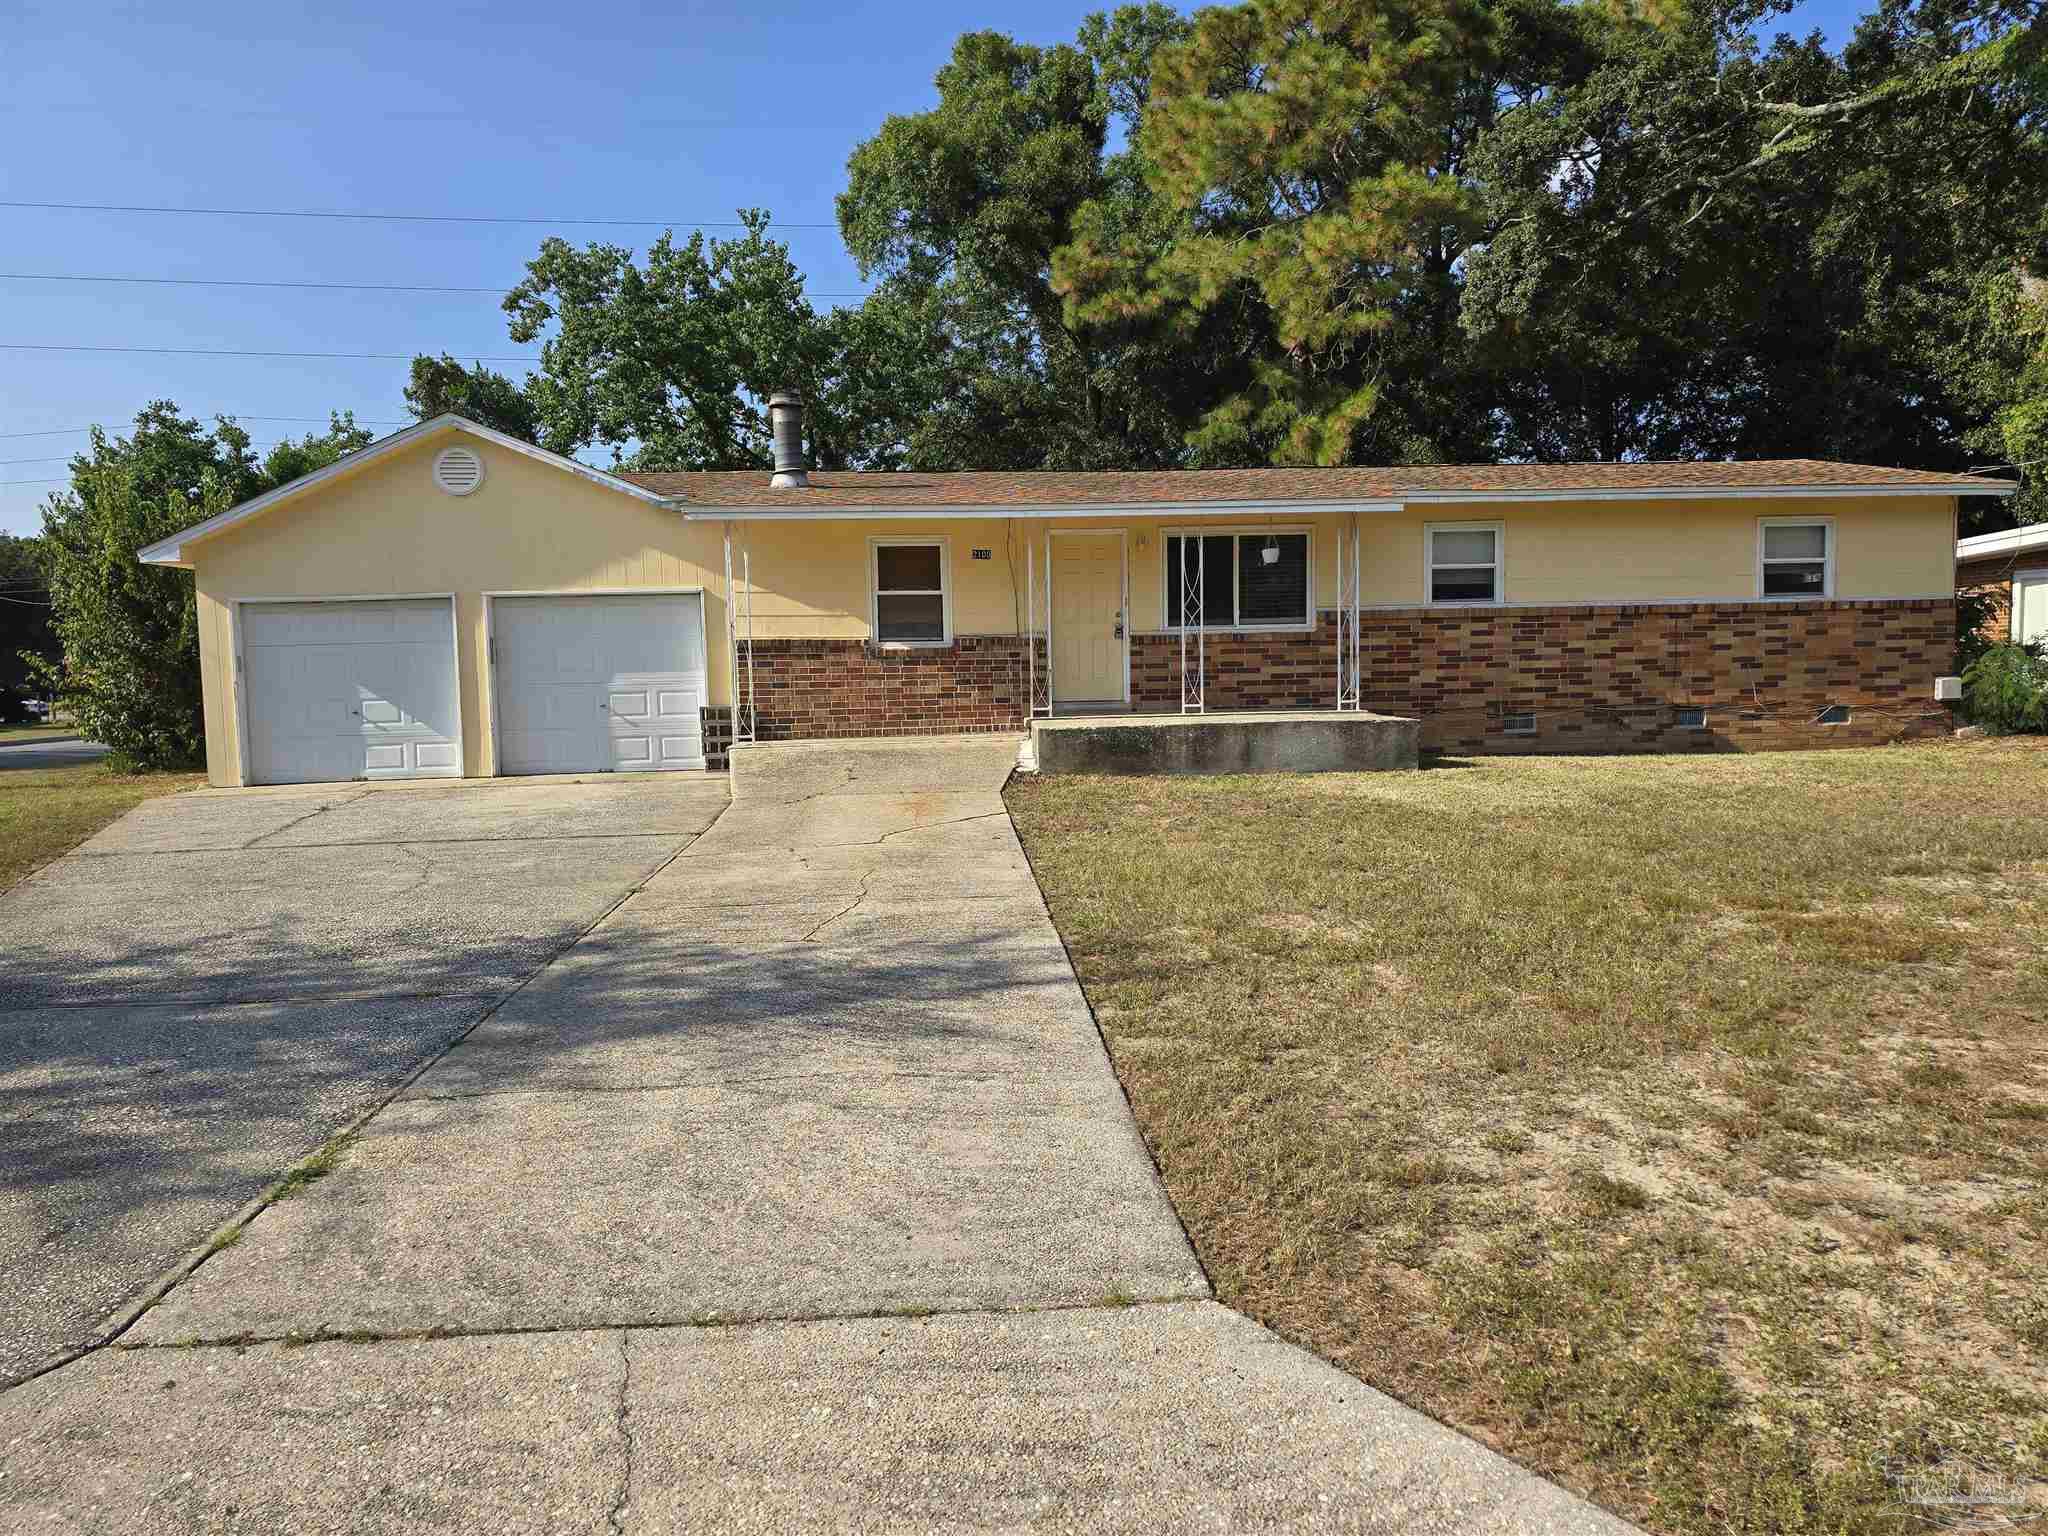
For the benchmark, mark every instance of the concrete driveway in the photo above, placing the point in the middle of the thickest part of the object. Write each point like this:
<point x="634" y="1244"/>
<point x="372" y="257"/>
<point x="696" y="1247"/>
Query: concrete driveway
<point x="219" y="981"/>
<point x="796" y="1194"/>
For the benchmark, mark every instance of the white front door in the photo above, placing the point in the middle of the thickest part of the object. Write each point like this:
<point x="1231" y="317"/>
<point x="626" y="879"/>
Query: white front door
<point x="350" y="690"/>
<point x="2030" y="607"/>
<point x="1088" y="617"/>
<point x="599" y="682"/>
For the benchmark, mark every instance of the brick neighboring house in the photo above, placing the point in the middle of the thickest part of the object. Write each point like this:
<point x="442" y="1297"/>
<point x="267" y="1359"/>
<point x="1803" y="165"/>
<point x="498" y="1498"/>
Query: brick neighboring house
<point x="2010" y="569"/>
<point x="450" y="601"/>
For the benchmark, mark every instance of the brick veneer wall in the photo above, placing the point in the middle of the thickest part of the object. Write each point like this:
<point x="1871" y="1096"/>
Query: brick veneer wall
<point x="805" y="689"/>
<point x="1605" y="679"/>
<point x="1991" y="579"/>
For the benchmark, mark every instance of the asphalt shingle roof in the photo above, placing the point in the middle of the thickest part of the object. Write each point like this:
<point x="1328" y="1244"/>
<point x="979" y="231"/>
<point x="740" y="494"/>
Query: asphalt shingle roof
<point x="997" y="488"/>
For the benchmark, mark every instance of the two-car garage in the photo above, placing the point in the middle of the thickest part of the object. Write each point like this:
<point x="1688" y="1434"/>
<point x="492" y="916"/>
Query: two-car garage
<point x="367" y="688"/>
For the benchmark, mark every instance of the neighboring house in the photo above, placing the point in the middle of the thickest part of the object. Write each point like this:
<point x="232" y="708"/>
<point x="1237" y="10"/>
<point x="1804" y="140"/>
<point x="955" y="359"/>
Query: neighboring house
<point x="450" y="601"/>
<point x="2011" y="569"/>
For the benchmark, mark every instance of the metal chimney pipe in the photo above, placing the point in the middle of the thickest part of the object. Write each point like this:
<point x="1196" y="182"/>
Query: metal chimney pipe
<point x="786" y="421"/>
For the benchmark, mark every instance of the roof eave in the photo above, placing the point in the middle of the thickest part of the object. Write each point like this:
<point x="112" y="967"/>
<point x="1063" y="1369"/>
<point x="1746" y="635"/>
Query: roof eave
<point x="700" y="512"/>
<point x="782" y="511"/>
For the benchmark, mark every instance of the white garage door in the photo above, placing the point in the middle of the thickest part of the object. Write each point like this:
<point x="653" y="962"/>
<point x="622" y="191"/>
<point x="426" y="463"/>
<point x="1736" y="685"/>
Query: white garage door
<point x="354" y="690"/>
<point x="588" y="684"/>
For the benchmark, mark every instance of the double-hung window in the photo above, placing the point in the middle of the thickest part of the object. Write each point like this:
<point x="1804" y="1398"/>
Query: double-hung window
<point x="1257" y="579"/>
<point x="1796" y="557"/>
<point x="1464" y="562"/>
<point x="912" y="604"/>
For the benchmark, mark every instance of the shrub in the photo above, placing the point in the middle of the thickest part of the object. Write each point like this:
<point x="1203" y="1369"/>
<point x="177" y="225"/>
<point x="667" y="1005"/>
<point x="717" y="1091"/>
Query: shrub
<point x="1974" y="609"/>
<point x="2006" y="688"/>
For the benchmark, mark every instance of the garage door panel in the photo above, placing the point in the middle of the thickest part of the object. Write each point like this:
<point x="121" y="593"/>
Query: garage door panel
<point x="350" y="690"/>
<point x="589" y="683"/>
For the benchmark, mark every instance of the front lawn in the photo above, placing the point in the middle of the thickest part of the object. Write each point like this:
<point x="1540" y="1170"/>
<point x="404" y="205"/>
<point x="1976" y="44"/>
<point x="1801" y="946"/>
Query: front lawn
<point x="1677" y="1125"/>
<point x="45" y="812"/>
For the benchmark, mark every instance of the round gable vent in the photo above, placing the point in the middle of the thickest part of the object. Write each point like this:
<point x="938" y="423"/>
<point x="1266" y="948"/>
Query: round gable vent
<point x="458" y="471"/>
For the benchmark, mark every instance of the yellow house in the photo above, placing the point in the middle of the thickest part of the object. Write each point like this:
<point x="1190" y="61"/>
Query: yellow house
<point x="453" y="602"/>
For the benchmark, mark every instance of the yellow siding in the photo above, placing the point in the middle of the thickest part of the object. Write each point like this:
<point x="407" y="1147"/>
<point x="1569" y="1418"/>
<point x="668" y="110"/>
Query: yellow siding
<point x="531" y="527"/>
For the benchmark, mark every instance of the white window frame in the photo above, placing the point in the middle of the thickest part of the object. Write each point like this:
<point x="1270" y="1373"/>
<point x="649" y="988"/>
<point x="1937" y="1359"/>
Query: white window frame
<point x="1499" y="530"/>
<point x="1169" y="593"/>
<point x="876" y="544"/>
<point x="1827" y="581"/>
<point x="2015" y="602"/>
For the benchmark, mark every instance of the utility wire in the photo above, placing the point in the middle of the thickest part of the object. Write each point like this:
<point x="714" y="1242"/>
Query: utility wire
<point x="397" y="218"/>
<point x="234" y="282"/>
<point x="375" y="357"/>
<point x="66" y="458"/>
<point x="361" y="421"/>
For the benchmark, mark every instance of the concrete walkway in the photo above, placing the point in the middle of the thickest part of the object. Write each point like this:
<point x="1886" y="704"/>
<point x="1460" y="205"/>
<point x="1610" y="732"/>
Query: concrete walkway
<point x="798" y="1195"/>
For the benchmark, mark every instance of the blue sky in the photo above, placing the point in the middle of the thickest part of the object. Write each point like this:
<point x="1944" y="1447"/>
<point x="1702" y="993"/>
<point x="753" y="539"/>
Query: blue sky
<point x="674" y="114"/>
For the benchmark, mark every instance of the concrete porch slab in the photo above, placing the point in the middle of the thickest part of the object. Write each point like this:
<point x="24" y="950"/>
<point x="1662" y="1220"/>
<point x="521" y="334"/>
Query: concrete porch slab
<point x="863" y="765"/>
<point x="1249" y="741"/>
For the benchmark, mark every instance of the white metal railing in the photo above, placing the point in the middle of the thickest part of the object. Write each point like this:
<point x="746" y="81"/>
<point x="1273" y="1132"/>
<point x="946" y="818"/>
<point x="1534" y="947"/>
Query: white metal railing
<point x="1350" y="676"/>
<point x="1194" y="685"/>
<point x="1038" y="623"/>
<point x="739" y="634"/>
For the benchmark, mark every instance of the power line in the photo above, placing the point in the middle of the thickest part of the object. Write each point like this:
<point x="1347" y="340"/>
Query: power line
<point x="398" y="218"/>
<point x="53" y="480"/>
<point x="229" y="282"/>
<point x="375" y="357"/>
<point x="361" y="421"/>
<point x="66" y="458"/>
<point x="237" y="282"/>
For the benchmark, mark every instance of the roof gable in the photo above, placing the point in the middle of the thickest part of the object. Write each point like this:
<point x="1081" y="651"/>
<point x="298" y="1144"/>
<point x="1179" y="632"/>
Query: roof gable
<point x="170" y="551"/>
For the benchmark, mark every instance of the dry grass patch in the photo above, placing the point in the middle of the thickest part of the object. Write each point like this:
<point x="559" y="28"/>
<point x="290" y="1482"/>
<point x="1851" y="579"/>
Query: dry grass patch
<point x="1679" y="1126"/>
<point x="46" y="812"/>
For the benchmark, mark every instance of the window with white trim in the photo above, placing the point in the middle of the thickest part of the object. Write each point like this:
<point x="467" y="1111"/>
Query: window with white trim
<point x="1464" y="562"/>
<point x="910" y="595"/>
<point x="1257" y="579"/>
<point x="1796" y="557"/>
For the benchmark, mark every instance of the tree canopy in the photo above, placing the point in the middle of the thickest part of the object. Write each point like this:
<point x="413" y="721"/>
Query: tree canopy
<point x="129" y="633"/>
<point x="1331" y="231"/>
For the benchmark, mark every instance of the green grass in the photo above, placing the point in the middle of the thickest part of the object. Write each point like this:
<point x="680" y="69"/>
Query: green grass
<point x="315" y="1166"/>
<point x="35" y="732"/>
<point x="1673" y="1124"/>
<point x="46" y="812"/>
